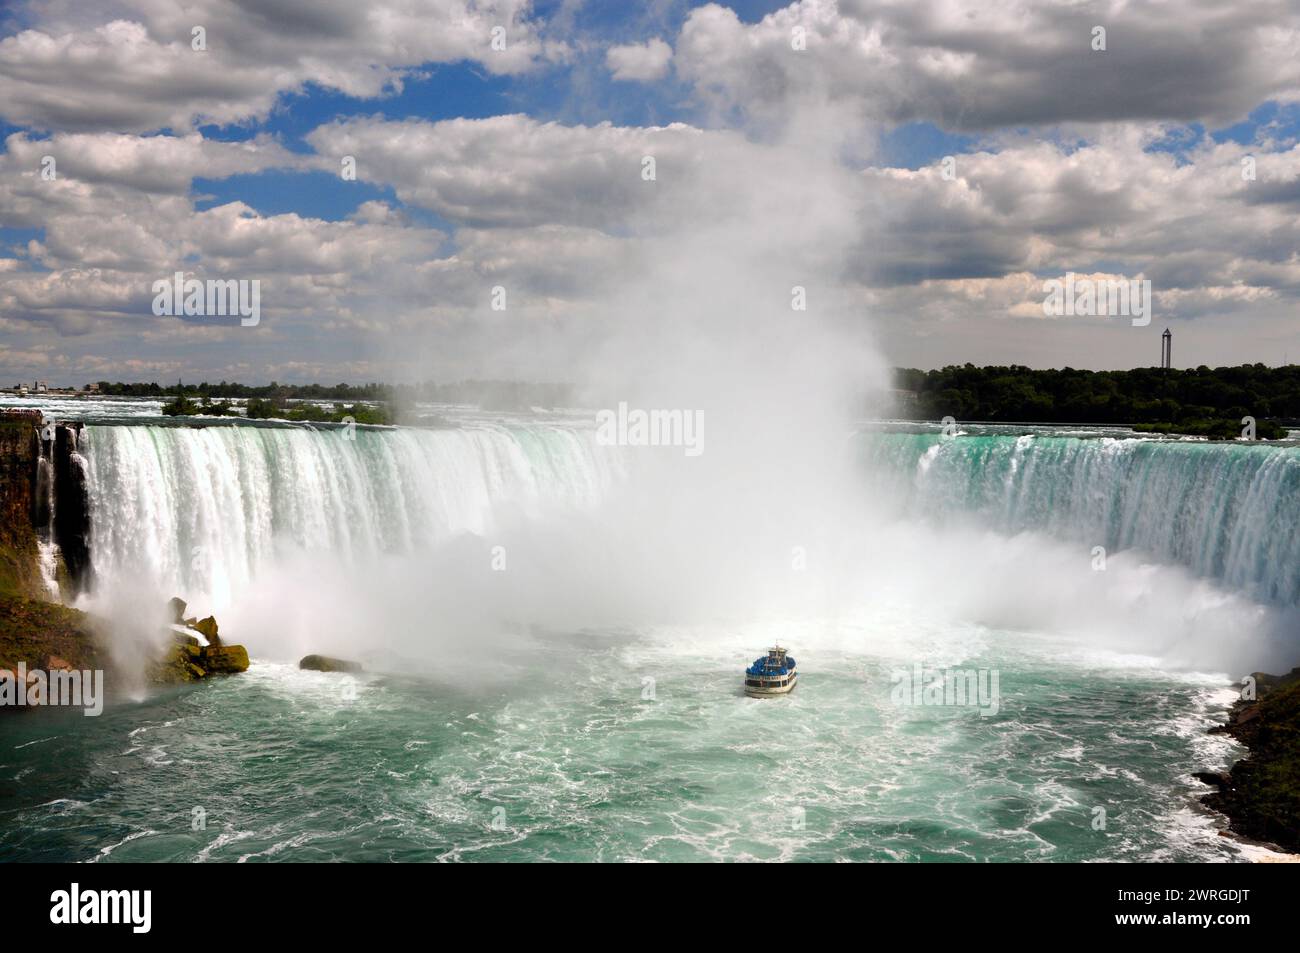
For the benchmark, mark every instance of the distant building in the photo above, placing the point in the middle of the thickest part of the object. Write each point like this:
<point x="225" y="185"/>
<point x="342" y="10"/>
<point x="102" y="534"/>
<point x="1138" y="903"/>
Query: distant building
<point x="40" y="387"/>
<point x="1167" y="349"/>
<point x="92" y="388"/>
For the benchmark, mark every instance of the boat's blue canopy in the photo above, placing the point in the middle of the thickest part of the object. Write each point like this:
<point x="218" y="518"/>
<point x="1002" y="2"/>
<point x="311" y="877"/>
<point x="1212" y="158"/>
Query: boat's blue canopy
<point x="764" y="666"/>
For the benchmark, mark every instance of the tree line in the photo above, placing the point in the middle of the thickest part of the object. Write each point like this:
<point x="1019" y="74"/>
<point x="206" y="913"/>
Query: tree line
<point x="1144" y="395"/>
<point x="489" y="394"/>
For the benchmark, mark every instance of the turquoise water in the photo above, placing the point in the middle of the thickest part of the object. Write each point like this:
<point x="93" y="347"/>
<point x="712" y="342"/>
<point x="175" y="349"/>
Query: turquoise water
<point x="535" y="728"/>
<point x="1228" y="511"/>
<point x="571" y="762"/>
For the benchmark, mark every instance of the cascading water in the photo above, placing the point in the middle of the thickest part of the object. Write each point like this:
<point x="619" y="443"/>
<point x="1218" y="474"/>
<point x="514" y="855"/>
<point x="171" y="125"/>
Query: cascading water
<point x="202" y="511"/>
<point x="1226" y="511"/>
<point x="1109" y="681"/>
<point x="46" y="506"/>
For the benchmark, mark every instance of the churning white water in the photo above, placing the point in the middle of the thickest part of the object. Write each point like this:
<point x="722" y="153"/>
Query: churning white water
<point x="363" y="534"/>
<point x="1227" y="511"/>
<point x="204" y="511"/>
<point x="608" y="721"/>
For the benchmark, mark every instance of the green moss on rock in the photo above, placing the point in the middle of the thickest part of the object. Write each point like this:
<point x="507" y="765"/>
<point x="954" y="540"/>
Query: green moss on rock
<point x="32" y="630"/>
<point x="1261" y="794"/>
<point x="174" y="667"/>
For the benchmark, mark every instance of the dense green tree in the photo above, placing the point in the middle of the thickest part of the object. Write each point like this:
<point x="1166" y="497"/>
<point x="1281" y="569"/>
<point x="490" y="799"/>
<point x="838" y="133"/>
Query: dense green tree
<point x="1143" y="395"/>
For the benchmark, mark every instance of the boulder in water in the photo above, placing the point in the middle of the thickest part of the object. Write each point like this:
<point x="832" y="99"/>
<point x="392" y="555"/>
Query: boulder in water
<point x="323" y="663"/>
<point x="177" y="608"/>
<point x="224" y="659"/>
<point x="195" y="652"/>
<point x="208" y="629"/>
<point x="176" y="665"/>
<point x="181" y="637"/>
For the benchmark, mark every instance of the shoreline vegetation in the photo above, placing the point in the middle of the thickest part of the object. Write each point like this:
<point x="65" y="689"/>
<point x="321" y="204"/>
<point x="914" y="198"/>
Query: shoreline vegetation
<point x="258" y="408"/>
<point x="1202" y="401"/>
<point x="1218" y="429"/>
<point x="396" y="398"/>
<point x="1221" y="403"/>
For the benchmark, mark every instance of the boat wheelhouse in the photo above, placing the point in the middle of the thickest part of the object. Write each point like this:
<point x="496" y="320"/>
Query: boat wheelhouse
<point x="771" y="674"/>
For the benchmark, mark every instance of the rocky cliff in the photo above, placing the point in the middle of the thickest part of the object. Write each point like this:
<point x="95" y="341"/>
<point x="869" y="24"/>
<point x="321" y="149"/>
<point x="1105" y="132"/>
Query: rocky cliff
<point x="43" y="495"/>
<point x="19" y="454"/>
<point x="1261" y="793"/>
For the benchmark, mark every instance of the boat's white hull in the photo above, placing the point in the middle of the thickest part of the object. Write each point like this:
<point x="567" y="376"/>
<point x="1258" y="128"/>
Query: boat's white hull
<point x="771" y="691"/>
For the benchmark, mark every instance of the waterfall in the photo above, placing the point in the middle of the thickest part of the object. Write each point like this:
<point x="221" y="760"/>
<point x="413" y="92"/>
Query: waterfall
<point x="202" y="510"/>
<point x="1230" y="512"/>
<point x="47" y="548"/>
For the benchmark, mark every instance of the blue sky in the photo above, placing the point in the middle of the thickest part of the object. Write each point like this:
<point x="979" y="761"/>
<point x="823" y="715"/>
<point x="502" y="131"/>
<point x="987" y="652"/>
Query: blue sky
<point x="1122" y="162"/>
<point x="462" y="90"/>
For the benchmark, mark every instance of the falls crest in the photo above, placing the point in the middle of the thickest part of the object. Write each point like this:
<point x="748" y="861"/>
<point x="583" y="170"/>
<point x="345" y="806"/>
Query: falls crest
<point x="1227" y="512"/>
<point x="201" y="511"/>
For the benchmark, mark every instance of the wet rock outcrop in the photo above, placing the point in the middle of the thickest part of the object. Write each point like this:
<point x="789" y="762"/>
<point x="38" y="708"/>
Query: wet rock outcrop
<point x="324" y="663"/>
<point x="42" y="497"/>
<point x="1261" y="793"/>
<point x="19" y="455"/>
<point x="48" y="636"/>
<point x="72" y="510"/>
<point x="194" y="651"/>
<point x="208" y="629"/>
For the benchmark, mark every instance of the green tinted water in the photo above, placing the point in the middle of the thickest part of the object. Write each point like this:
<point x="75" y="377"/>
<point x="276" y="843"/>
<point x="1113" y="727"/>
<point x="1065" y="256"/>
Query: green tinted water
<point x="578" y="763"/>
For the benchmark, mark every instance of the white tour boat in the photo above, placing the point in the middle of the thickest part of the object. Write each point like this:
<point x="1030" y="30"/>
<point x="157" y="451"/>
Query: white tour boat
<point x="771" y="674"/>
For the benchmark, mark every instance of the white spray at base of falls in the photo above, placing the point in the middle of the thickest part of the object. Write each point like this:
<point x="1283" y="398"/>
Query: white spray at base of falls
<point x="380" y="549"/>
<point x="1228" y="512"/>
<point x="204" y="511"/>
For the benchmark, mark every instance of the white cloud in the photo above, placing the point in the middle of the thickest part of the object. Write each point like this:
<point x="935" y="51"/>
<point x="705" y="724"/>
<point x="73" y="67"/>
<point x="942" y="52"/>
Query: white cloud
<point x="563" y="217"/>
<point x="971" y="64"/>
<point x="514" y="170"/>
<point x="157" y="164"/>
<point x="639" y="62"/>
<point x="140" y="73"/>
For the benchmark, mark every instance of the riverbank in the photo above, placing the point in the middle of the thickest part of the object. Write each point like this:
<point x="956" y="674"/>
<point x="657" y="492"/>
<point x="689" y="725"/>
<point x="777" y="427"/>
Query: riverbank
<point x="32" y="630"/>
<point x="1217" y="429"/>
<point x="19" y="451"/>
<point x="1260" y="794"/>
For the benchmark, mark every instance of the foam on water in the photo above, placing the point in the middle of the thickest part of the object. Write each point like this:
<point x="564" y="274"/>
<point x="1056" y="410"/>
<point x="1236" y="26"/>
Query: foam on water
<point x="572" y="760"/>
<point x="629" y="738"/>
